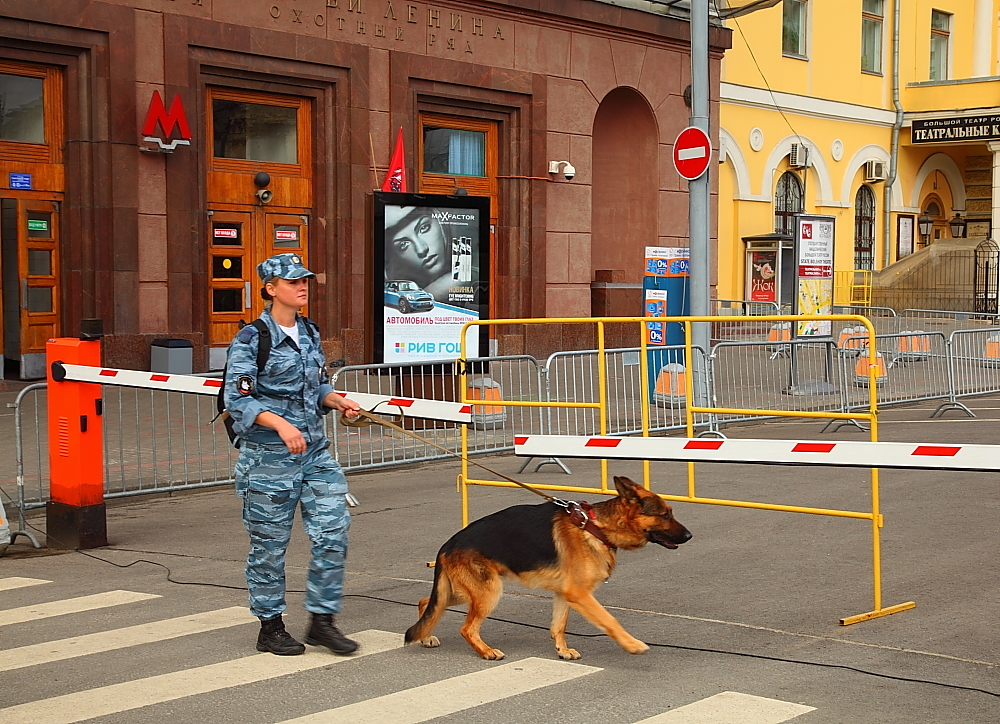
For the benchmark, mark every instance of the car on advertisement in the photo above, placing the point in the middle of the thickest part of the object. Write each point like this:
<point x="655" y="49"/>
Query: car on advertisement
<point x="407" y="297"/>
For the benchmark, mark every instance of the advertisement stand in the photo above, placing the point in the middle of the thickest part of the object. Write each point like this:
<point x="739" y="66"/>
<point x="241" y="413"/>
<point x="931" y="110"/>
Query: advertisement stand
<point x="665" y="293"/>
<point x="813" y="294"/>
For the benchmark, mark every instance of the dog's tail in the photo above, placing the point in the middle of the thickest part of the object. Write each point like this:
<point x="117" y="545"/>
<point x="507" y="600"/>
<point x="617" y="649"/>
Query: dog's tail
<point x="439" y="600"/>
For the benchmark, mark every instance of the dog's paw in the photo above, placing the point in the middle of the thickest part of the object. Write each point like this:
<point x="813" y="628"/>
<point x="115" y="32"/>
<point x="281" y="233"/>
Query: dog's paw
<point x="568" y="654"/>
<point x="637" y="647"/>
<point x="431" y="642"/>
<point x="493" y="654"/>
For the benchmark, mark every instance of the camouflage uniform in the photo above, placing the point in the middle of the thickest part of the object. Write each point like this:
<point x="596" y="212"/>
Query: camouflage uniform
<point x="271" y="480"/>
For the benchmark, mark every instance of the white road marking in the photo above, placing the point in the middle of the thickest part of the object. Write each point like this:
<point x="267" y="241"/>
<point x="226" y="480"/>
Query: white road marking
<point x="731" y="707"/>
<point x="131" y="695"/>
<point x="121" y="638"/>
<point x="71" y="605"/>
<point x="423" y="703"/>
<point x="9" y="584"/>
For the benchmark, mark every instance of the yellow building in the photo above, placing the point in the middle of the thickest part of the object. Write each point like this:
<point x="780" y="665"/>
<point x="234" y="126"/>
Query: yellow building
<point x="811" y="102"/>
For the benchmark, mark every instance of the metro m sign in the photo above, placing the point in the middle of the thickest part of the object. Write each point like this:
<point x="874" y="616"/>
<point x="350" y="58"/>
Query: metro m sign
<point x="167" y="120"/>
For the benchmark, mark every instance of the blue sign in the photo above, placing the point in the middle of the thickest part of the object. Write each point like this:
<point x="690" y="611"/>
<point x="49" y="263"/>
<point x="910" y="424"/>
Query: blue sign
<point x="20" y="181"/>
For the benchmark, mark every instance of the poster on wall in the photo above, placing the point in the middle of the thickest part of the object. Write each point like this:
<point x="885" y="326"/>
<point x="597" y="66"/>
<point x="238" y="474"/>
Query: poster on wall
<point x="814" y="272"/>
<point x="431" y="255"/>
<point x="904" y="236"/>
<point x="764" y="276"/>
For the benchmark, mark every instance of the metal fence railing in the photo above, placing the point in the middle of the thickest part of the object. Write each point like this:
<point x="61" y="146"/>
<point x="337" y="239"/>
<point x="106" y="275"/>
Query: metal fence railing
<point x="158" y="441"/>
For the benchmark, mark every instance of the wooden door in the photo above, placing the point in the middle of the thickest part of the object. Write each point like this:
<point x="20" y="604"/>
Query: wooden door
<point x="38" y="269"/>
<point x="232" y="274"/>
<point x="284" y="233"/>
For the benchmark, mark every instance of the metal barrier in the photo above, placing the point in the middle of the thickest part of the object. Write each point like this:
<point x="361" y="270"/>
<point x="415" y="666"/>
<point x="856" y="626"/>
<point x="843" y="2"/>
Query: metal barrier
<point x="801" y="363"/>
<point x="518" y="376"/>
<point x="743" y="329"/>
<point x="975" y="364"/>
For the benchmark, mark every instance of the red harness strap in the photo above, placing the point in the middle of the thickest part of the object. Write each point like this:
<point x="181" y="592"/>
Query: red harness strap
<point x="581" y="514"/>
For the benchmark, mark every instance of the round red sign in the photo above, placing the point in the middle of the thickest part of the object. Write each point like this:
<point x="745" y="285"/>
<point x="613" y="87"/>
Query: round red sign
<point x="692" y="153"/>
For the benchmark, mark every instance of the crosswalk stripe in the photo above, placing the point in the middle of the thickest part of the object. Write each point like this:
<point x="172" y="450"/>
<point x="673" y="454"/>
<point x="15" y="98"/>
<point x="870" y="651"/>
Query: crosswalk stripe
<point x="71" y="605"/>
<point x="121" y="638"/>
<point x="130" y="695"/>
<point x="448" y="696"/>
<point x="732" y="707"/>
<point x="9" y="584"/>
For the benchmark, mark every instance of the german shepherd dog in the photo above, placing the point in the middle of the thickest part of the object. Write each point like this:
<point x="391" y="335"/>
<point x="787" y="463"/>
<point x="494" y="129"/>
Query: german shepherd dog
<point x="541" y="547"/>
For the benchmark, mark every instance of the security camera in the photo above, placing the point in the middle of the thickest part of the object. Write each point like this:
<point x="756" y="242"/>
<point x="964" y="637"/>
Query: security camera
<point x="265" y="196"/>
<point x="567" y="169"/>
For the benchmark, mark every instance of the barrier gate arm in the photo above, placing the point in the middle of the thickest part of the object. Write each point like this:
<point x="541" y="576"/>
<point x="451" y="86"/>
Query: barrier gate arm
<point x="380" y="404"/>
<point x="983" y="458"/>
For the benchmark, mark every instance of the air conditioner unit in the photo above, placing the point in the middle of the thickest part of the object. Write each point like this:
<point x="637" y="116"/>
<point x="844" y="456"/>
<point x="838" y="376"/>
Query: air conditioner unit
<point x="875" y="171"/>
<point x="798" y="157"/>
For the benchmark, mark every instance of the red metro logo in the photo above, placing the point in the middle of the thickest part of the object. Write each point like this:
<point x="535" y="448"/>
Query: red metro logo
<point x="168" y="120"/>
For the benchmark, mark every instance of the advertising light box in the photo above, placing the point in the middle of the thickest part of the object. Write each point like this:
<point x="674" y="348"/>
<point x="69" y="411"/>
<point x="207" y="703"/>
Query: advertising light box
<point x="432" y="276"/>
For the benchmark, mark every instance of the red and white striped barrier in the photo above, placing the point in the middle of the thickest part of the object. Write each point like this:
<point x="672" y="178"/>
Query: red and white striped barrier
<point x="769" y="452"/>
<point x="384" y="404"/>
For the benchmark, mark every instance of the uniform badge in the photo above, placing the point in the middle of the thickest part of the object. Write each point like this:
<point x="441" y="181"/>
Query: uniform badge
<point x="244" y="383"/>
<point x="296" y="260"/>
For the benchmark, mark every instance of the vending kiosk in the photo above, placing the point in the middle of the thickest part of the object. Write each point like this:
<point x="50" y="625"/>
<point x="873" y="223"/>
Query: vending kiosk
<point x="770" y="268"/>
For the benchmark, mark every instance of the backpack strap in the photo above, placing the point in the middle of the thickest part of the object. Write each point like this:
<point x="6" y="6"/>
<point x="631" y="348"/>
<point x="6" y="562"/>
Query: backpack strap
<point x="313" y="329"/>
<point x="263" y="343"/>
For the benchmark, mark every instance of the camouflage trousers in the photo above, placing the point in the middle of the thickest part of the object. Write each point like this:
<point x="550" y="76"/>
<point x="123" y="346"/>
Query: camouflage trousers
<point x="272" y="483"/>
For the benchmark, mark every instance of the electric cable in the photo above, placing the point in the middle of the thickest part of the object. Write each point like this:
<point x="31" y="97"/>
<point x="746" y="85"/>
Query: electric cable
<point x="679" y="647"/>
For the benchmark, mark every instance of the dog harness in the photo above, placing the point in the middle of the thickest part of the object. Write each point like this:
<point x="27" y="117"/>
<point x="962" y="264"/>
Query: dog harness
<point x="581" y="514"/>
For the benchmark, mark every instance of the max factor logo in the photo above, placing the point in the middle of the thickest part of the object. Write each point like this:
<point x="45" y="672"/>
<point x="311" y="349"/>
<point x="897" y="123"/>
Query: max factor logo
<point x="447" y="216"/>
<point x="168" y="120"/>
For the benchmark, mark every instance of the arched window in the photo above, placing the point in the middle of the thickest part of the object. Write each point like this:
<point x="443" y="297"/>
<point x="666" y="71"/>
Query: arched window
<point x="864" y="229"/>
<point x="787" y="202"/>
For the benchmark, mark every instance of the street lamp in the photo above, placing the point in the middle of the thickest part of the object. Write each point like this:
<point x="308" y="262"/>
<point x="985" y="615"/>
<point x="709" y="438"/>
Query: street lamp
<point x="957" y="226"/>
<point x="926" y="225"/>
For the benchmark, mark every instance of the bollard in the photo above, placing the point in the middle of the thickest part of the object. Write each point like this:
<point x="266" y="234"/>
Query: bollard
<point x="913" y="346"/>
<point x="486" y="417"/>
<point x="670" y="386"/>
<point x="75" y="514"/>
<point x="992" y="358"/>
<point x="861" y="369"/>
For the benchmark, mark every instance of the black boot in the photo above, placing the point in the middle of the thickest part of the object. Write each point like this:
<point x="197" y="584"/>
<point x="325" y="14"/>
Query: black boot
<point x="275" y="639"/>
<point x="324" y="632"/>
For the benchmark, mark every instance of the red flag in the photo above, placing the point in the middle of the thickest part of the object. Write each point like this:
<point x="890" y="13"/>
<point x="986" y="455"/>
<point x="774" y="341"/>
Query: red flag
<point x="395" y="179"/>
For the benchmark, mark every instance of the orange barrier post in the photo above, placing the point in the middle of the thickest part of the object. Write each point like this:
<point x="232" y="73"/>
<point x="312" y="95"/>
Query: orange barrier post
<point x="75" y="514"/>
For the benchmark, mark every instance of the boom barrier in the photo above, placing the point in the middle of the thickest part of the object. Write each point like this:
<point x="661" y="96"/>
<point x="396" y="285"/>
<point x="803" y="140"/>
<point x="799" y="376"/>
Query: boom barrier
<point x="692" y="377"/>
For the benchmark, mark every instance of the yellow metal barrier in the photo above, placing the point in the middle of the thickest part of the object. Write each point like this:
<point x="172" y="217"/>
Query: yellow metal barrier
<point x="871" y="415"/>
<point x="852" y="287"/>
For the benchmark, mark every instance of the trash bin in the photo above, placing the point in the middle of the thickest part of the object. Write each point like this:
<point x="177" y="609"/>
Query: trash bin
<point x="171" y="356"/>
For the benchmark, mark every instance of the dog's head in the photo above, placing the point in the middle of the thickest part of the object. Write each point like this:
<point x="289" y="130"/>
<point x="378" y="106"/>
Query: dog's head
<point x="649" y="515"/>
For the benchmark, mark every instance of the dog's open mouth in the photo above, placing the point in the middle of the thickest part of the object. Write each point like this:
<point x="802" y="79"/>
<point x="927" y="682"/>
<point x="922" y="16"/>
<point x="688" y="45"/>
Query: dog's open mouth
<point x="660" y="540"/>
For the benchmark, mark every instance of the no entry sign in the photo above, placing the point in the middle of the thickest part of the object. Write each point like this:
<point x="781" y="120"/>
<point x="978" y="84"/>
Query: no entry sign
<point x="692" y="153"/>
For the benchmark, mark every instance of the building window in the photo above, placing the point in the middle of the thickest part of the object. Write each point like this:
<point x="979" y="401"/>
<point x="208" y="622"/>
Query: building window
<point x="793" y="28"/>
<point x="864" y="229"/>
<point x="787" y="203"/>
<point x="940" y="40"/>
<point x="22" y="109"/>
<point x="871" y="35"/>
<point x="254" y="131"/>
<point x="31" y="109"/>
<point x="454" y="151"/>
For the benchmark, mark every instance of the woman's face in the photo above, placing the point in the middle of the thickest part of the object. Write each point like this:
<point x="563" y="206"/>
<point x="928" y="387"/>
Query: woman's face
<point x="420" y="251"/>
<point x="290" y="293"/>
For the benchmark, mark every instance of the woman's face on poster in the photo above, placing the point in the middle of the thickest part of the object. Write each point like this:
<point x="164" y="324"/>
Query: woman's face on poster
<point x="416" y="247"/>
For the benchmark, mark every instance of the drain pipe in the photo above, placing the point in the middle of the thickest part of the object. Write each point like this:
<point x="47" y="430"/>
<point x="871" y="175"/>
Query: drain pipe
<point x="894" y="150"/>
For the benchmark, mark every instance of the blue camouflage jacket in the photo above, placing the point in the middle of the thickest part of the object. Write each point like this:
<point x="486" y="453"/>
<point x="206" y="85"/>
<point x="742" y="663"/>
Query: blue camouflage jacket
<point x="293" y="384"/>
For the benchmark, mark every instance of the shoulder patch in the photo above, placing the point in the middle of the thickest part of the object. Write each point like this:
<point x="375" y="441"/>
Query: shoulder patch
<point x="244" y="384"/>
<point x="246" y="334"/>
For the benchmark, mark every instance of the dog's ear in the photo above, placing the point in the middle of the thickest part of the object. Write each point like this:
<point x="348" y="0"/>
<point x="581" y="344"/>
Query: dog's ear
<point x="627" y="489"/>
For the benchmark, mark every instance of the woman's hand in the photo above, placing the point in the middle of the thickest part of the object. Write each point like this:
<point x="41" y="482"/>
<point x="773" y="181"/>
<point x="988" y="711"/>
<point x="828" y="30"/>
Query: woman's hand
<point x="350" y="408"/>
<point x="292" y="438"/>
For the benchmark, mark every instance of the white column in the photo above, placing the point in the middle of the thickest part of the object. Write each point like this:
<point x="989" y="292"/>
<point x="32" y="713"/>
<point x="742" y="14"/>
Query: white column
<point x="984" y="26"/>
<point x="994" y="147"/>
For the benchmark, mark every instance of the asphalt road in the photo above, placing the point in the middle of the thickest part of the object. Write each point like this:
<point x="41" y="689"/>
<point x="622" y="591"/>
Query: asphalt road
<point x="750" y="606"/>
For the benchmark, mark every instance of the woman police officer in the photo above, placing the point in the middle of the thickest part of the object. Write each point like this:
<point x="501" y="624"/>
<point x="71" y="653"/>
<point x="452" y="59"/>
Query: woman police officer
<point x="284" y="462"/>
